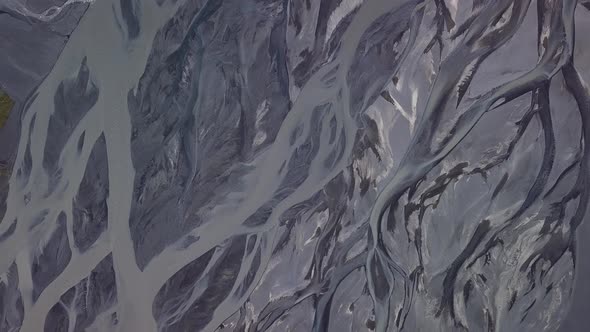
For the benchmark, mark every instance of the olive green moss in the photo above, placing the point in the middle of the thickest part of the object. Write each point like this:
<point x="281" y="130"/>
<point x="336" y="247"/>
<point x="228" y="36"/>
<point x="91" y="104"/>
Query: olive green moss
<point x="6" y="104"/>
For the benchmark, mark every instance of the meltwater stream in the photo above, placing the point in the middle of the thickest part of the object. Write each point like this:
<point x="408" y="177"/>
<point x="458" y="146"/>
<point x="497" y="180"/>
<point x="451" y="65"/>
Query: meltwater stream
<point x="296" y="165"/>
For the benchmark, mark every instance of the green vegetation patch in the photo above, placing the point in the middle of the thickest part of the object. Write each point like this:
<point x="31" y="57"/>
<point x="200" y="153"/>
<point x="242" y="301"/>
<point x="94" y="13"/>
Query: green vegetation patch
<point x="4" y="171"/>
<point x="6" y="104"/>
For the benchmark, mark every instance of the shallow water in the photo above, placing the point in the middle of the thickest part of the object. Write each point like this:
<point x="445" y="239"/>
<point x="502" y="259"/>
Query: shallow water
<point x="334" y="165"/>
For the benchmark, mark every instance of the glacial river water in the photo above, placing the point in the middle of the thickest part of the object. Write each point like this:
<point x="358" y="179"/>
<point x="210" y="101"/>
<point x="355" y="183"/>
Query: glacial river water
<point x="281" y="165"/>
